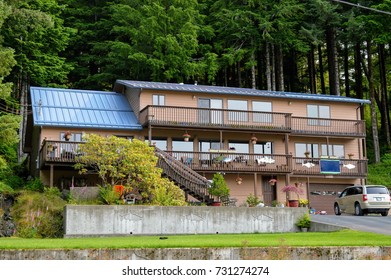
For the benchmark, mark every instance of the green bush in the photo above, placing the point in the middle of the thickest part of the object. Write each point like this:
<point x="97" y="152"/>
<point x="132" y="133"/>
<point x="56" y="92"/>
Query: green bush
<point x="252" y="200"/>
<point x="35" y="185"/>
<point x="5" y="189"/>
<point x="38" y="215"/>
<point x="107" y="195"/>
<point x="304" y="221"/>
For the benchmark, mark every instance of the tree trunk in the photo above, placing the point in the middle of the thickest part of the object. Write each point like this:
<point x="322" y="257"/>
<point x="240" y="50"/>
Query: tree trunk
<point x="312" y="69"/>
<point x="385" y="119"/>
<point x="346" y="70"/>
<point x="321" y="70"/>
<point x="273" y="69"/>
<point x="253" y="76"/>
<point x="376" y="147"/>
<point x="332" y="57"/>
<point x="268" y="68"/>
<point x="279" y="69"/>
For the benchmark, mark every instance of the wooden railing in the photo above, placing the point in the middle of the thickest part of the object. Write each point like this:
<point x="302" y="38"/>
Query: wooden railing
<point x="182" y="165"/>
<point x="347" y="167"/>
<point x="248" y="120"/>
<point x="59" y="152"/>
<point x="322" y="126"/>
<point x="214" y="118"/>
<point x="234" y="162"/>
<point x="187" y="179"/>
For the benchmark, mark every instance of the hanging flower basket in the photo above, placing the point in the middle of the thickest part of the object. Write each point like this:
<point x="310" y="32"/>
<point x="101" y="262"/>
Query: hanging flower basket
<point x="239" y="181"/>
<point x="186" y="137"/>
<point x="272" y="182"/>
<point x="67" y="135"/>
<point x="307" y="154"/>
<point x="254" y="140"/>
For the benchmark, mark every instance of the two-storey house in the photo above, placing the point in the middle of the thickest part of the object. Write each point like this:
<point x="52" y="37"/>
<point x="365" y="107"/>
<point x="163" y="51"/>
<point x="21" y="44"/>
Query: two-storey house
<point x="260" y="140"/>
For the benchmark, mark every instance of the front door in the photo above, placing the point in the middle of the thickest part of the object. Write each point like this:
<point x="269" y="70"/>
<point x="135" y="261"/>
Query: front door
<point x="269" y="191"/>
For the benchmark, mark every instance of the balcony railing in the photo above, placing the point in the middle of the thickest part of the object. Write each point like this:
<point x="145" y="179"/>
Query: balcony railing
<point x="59" y="152"/>
<point x="67" y="153"/>
<point x="347" y="167"/>
<point x="248" y="120"/>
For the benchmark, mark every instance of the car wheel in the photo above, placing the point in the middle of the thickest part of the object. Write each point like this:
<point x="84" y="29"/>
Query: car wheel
<point x="385" y="213"/>
<point x="357" y="209"/>
<point x="337" y="211"/>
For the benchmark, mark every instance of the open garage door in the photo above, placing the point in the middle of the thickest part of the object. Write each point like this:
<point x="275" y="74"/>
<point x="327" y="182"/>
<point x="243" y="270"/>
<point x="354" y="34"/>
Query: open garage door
<point x="322" y="196"/>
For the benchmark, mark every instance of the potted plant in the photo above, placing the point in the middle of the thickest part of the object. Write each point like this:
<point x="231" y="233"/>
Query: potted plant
<point x="350" y="155"/>
<point x="304" y="222"/>
<point x="67" y="135"/>
<point x="186" y="137"/>
<point x="307" y="154"/>
<point x="293" y="189"/>
<point x="254" y="139"/>
<point x="219" y="187"/>
<point x="253" y="200"/>
<point x="239" y="180"/>
<point x="303" y="202"/>
<point x="272" y="182"/>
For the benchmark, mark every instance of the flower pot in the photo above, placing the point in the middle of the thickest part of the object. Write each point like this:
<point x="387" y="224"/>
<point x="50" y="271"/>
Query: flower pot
<point x="216" y="203"/>
<point x="304" y="229"/>
<point x="186" y="139"/>
<point x="293" y="203"/>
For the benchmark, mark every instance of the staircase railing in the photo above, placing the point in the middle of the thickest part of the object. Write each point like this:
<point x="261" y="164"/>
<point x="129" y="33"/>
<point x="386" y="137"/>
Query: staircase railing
<point x="187" y="179"/>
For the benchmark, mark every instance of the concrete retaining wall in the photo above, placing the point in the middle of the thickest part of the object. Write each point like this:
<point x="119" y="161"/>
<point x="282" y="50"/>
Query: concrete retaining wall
<point x="245" y="253"/>
<point x="92" y="220"/>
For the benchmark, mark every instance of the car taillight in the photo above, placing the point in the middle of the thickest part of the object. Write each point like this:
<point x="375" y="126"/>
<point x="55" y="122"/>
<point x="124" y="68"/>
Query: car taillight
<point x="364" y="197"/>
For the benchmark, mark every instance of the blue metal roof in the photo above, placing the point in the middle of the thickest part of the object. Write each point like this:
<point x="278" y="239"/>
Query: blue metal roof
<point x="82" y="109"/>
<point x="237" y="91"/>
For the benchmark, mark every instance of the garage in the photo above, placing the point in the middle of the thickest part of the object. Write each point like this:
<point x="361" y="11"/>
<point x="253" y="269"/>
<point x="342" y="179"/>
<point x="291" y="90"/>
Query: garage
<point x="321" y="196"/>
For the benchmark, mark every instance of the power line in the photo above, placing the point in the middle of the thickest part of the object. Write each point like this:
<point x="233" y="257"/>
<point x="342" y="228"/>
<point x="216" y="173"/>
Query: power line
<point x="362" y="7"/>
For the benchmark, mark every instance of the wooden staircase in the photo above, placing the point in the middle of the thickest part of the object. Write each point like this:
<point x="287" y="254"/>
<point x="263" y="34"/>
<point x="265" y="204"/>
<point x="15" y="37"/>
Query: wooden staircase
<point x="186" y="178"/>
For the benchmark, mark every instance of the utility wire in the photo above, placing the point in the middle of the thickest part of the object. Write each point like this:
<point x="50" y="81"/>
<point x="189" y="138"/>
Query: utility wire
<point x="362" y="7"/>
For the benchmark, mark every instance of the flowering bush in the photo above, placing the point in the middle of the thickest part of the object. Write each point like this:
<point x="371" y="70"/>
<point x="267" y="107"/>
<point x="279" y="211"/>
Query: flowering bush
<point x="292" y="188"/>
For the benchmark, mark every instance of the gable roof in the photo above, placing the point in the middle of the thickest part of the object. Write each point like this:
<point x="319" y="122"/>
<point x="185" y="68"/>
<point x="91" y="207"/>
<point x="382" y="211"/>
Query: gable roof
<point x="81" y="109"/>
<point x="237" y="91"/>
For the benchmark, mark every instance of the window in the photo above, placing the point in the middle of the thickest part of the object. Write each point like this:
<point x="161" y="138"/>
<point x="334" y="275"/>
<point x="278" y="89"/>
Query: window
<point x="333" y="151"/>
<point x="302" y="148"/>
<point x="75" y="137"/>
<point x="208" y="115"/>
<point x="263" y="148"/>
<point x="318" y="112"/>
<point x="158" y="100"/>
<point x="160" y="144"/>
<point x="239" y="147"/>
<point x="182" y="146"/>
<point x="238" y="105"/>
<point x="262" y="107"/>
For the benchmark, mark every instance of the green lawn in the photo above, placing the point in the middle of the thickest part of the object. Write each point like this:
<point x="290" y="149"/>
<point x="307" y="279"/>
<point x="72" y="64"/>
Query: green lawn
<point x="340" y="238"/>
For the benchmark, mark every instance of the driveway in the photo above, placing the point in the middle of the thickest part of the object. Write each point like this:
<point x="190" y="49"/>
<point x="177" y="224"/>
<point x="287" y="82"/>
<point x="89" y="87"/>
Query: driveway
<point x="370" y="223"/>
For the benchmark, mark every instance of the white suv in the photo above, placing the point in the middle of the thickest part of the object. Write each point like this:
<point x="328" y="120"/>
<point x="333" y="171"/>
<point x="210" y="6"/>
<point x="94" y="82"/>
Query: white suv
<point x="360" y="200"/>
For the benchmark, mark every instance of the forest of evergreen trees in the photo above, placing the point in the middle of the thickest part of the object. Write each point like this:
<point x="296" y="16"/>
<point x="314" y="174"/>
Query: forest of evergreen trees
<point x="313" y="46"/>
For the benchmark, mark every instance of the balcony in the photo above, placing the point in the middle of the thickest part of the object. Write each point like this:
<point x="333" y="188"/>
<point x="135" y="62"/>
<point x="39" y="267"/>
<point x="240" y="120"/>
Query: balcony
<point x="193" y="118"/>
<point x="59" y="153"/>
<point x="232" y="162"/>
<point x="64" y="153"/>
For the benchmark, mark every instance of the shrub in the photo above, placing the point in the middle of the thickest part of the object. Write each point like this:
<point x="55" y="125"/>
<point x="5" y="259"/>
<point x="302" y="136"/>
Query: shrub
<point x="107" y="195"/>
<point x="304" y="221"/>
<point x="38" y="215"/>
<point x="5" y="189"/>
<point x="35" y="185"/>
<point x="253" y="200"/>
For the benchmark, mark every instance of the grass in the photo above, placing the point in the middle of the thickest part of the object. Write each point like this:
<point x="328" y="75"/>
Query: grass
<point x="313" y="239"/>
